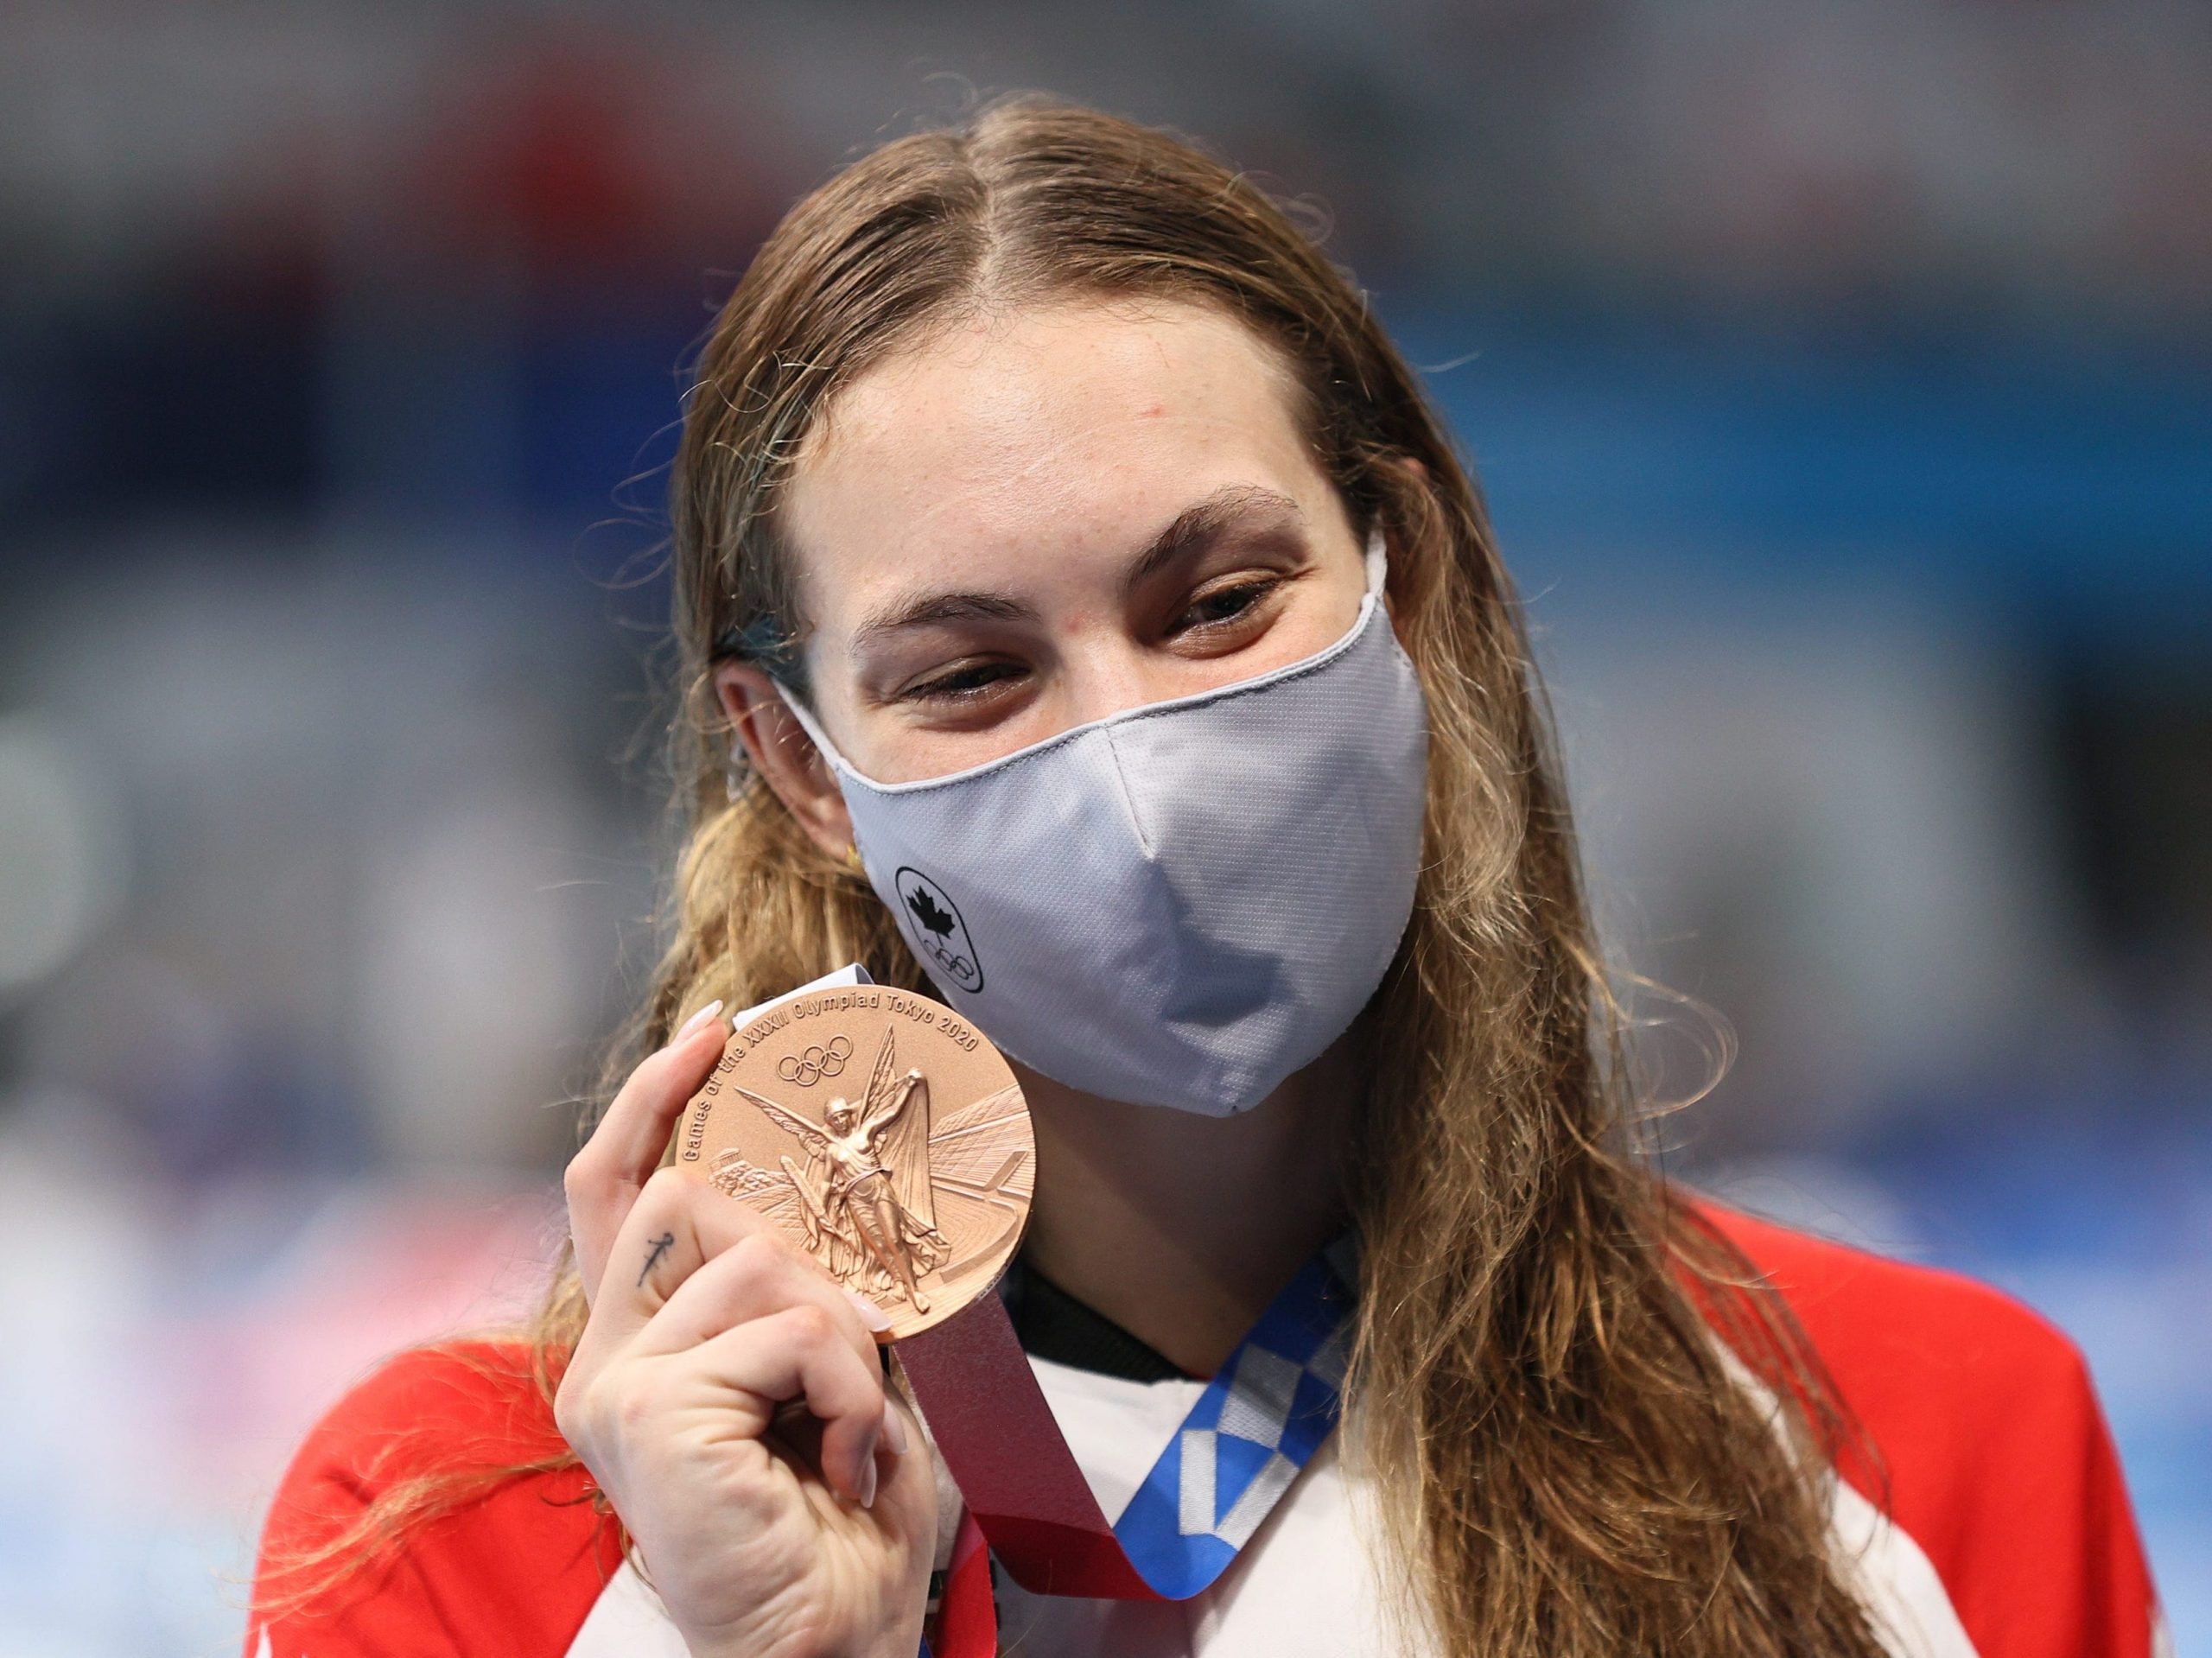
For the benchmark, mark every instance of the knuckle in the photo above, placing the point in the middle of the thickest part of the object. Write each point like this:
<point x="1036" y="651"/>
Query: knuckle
<point x="572" y="1409"/>
<point x="634" y="1409"/>
<point x="755" y="1258"/>
<point x="811" y="1326"/>
<point x="670" y="1186"/>
<point x="605" y="1409"/>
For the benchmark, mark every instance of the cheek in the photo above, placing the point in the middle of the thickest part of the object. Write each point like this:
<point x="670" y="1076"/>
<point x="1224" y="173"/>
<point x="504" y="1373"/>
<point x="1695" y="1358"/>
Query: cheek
<point x="1337" y="606"/>
<point x="892" y="752"/>
<point x="875" y="742"/>
<point x="832" y="703"/>
<point x="1320" y="614"/>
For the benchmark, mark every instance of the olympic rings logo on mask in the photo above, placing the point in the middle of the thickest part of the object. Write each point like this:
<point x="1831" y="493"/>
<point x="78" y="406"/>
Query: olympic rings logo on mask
<point x="810" y="1065"/>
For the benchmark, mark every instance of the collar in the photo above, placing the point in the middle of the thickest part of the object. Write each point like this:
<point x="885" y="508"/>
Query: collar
<point x="1052" y="1325"/>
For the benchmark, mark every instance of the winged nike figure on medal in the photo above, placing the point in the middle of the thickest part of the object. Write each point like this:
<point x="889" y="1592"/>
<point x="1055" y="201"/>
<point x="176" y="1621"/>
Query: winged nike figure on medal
<point x="880" y="1182"/>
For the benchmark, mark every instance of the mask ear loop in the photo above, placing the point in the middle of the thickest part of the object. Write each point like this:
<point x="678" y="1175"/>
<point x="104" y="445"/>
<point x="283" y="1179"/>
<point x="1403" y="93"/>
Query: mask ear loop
<point x="734" y="767"/>
<point x="1378" y="561"/>
<point x="807" y="723"/>
<point x="855" y="863"/>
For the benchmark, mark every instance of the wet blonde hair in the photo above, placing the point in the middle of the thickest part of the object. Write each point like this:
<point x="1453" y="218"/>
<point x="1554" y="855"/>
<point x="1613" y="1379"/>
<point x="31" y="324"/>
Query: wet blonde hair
<point x="1561" y="1451"/>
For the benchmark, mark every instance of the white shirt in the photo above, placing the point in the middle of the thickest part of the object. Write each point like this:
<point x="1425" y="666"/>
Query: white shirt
<point x="1304" y="1583"/>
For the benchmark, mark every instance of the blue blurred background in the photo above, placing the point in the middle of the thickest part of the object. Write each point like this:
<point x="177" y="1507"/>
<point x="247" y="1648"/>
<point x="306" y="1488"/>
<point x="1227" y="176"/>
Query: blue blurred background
<point x="1841" y="378"/>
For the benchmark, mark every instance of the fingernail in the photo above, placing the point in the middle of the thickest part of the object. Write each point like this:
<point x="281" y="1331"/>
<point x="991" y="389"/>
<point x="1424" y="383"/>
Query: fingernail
<point x="894" y="1430"/>
<point x="696" y="1020"/>
<point x="871" y="1315"/>
<point x="867" y="1482"/>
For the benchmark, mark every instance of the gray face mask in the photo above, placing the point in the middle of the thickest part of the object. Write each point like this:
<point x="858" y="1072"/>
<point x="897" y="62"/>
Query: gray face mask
<point x="1180" y="903"/>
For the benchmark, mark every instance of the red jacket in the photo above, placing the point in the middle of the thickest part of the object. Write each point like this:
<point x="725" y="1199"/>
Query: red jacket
<point x="1993" y="1459"/>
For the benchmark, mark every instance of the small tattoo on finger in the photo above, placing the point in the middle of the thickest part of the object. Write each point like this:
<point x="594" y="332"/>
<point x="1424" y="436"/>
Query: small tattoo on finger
<point x="662" y="1245"/>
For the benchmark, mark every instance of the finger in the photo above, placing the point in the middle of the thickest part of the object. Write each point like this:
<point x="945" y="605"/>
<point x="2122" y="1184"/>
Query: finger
<point x="714" y="1265"/>
<point x="678" y="1227"/>
<point x="604" y="1179"/>
<point x="799" y="1354"/>
<point x="758" y="1276"/>
<point x="677" y="1223"/>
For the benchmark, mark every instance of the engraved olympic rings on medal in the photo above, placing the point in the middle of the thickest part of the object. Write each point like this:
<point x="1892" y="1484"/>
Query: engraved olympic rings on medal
<point x="810" y="1065"/>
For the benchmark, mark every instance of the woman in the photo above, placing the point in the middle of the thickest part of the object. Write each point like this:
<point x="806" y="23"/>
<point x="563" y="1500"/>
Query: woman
<point x="1045" y="427"/>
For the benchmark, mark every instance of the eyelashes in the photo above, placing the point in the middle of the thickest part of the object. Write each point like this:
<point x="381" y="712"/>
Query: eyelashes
<point x="965" y="683"/>
<point x="1218" y="620"/>
<point x="1226" y="605"/>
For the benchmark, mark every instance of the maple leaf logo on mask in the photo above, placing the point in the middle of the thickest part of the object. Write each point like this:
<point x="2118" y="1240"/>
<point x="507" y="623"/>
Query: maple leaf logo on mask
<point x="941" y="935"/>
<point x="927" y="913"/>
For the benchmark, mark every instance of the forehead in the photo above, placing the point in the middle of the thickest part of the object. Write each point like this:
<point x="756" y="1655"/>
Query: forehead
<point x="1047" y="427"/>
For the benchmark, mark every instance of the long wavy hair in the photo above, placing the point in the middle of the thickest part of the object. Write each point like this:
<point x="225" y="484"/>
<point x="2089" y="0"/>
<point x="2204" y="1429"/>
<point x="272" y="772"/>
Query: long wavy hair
<point x="1548" y="1375"/>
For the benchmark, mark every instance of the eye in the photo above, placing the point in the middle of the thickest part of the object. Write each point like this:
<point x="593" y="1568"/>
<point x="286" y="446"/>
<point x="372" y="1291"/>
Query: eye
<point x="963" y="682"/>
<point x="1225" y="606"/>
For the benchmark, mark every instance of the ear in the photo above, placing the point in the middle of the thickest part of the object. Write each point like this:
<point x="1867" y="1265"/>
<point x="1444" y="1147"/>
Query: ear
<point x="784" y="755"/>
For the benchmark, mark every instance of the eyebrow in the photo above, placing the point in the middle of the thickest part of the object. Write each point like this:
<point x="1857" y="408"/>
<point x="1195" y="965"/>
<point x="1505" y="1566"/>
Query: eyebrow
<point x="1188" y="532"/>
<point x="1200" y="524"/>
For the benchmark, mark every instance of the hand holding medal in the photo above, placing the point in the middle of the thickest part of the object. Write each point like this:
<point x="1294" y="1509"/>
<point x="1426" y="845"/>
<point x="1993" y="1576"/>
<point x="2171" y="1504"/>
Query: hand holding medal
<point x="888" y="1139"/>
<point x="728" y="1398"/>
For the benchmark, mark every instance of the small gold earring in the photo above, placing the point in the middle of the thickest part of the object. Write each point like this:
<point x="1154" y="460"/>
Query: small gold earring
<point x="853" y="858"/>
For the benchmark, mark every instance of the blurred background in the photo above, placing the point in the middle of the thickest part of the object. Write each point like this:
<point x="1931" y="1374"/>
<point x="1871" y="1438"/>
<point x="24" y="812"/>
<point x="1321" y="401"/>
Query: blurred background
<point x="1841" y="378"/>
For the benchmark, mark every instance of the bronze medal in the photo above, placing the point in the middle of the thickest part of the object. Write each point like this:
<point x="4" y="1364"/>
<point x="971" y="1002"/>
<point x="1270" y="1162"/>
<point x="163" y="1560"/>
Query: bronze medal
<point x="886" y="1137"/>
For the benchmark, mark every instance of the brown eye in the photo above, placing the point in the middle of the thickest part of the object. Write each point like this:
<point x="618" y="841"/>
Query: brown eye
<point x="1223" y="605"/>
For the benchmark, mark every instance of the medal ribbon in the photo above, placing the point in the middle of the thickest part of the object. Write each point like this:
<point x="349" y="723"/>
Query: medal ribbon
<point x="1262" y="1417"/>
